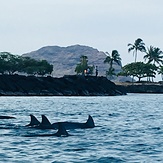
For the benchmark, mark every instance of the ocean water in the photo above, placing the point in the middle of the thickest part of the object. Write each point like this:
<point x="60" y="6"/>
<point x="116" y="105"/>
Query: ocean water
<point x="128" y="129"/>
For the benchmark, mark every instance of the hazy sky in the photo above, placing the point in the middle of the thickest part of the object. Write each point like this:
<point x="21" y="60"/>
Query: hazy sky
<point x="28" y="25"/>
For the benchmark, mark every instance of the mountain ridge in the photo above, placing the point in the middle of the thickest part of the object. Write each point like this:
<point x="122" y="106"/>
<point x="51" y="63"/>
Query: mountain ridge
<point x="65" y="59"/>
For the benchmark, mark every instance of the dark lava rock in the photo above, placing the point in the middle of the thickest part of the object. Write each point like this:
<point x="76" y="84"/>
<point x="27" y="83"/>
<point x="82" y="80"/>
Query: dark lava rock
<point x="16" y="85"/>
<point x="142" y="87"/>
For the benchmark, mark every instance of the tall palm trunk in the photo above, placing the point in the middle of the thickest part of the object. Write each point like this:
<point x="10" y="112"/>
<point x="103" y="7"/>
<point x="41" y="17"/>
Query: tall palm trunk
<point x="135" y="55"/>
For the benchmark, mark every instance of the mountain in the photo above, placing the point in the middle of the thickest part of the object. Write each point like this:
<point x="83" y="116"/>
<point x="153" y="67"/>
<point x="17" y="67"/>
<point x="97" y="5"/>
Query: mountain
<point x="65" y="59"/>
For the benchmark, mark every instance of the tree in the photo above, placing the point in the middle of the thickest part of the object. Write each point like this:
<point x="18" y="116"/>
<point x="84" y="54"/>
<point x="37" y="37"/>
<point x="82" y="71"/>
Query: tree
<point x="110" y="72"/>
<point x="9" y="64"/>
<point x="44" y="68"/>
<point x="29" y="66"/>
<point x="34" y="67"/>
<point x="137" y="46"/>
<point x="154" y="55"/>
<point x="83" y="67"/>
<point x="150" y="71"/>
<point x="139" y="70"/>
<point x="160" y="71"/>
<point x="2" y="66"/>
<point x="112" y="58"/>
<point x="90" y="70"/>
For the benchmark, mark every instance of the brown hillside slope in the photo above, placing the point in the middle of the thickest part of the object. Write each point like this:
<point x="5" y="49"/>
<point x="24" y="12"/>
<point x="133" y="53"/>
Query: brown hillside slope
<point x="65" y="59"/>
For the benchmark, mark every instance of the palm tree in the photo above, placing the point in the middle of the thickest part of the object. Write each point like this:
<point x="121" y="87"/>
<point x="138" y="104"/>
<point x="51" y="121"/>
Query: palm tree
<point x="161" y="72"/>
<point x="154" y="55"/>
<point x="137" y="46"/>
<point x="111" y="58"/>
<point x="82" y="66"/>
<point x="110" y="73"/>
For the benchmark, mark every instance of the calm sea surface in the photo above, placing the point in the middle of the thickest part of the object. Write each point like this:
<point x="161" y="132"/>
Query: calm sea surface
<point x="129" y="129"/>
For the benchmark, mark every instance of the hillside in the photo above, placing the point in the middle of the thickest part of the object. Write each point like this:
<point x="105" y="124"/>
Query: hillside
<point x="65" y="59"/>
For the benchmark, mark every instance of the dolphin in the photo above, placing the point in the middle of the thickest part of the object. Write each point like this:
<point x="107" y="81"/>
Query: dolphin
<point x="34" y="121"/>
<point x="6" y="117"/>
<point x="75" y="125"/>
<point x="45" y="124"/>
<point x="61" y="132"/>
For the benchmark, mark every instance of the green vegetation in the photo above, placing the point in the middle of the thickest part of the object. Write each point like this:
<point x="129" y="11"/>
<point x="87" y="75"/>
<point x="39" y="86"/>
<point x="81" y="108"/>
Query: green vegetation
<point x="152" y="65"/>
<point x="137" y="46"/>
<point x="83" y="68"/>
<point x="154" y="55"/>
<point x="153" y="62"/>
<point x="139" y="70"/>
<point x="11" y="64"/>
<point x="112" y="58"/>
<point x="160" y="71"/>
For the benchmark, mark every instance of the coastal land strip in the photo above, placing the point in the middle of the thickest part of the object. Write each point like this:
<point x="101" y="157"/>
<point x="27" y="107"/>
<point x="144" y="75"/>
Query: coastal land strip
<point x="71" y="85"/>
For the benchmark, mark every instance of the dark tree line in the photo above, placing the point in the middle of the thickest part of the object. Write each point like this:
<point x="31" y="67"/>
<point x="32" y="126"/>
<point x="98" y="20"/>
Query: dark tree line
<point x="11" y="64"/>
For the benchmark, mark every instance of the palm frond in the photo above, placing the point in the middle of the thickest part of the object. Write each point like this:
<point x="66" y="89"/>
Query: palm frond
<point x="131" y="48"/>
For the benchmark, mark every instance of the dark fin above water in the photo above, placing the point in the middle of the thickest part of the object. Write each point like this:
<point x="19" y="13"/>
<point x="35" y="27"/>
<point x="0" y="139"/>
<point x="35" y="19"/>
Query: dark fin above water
<point x="45" y="121"/>
<point x="90" y="122"/>
<point x="61" y="130"/>
<point x="7" y="117"/>
<point x="34" y="121"/>
<point x="75" y="125"/>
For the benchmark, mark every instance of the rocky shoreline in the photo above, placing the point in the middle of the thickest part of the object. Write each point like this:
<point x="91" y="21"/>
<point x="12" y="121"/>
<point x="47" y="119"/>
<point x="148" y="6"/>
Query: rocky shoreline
<point x="141" y="87"/>
<point x="73" y="85"/>
<point x="17" y="85"/>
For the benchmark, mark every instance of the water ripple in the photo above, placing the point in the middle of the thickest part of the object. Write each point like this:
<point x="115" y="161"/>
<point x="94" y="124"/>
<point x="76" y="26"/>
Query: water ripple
<point x="128" y="129"/>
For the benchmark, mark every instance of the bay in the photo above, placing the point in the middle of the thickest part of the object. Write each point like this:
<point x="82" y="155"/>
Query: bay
<point x="128" y="129"/>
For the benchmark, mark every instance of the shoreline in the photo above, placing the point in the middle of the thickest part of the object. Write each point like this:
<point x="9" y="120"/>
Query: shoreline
<point x="144" y="87"/>
<point x="73" y="85"/>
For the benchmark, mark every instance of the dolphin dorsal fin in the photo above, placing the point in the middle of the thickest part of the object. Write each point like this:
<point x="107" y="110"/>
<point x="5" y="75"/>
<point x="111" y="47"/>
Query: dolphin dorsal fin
<point x="45" y="121"/>
<point x="90" y="122"/>
<point x="61" y="130"/>
<point x="33" y="121"/>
